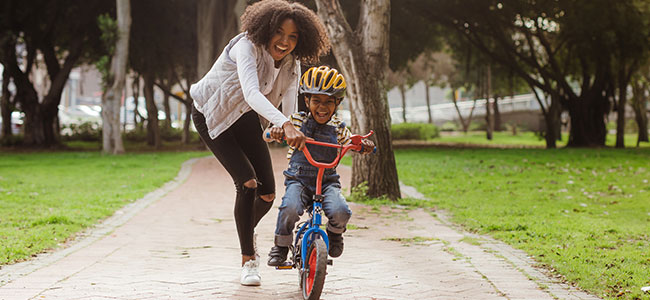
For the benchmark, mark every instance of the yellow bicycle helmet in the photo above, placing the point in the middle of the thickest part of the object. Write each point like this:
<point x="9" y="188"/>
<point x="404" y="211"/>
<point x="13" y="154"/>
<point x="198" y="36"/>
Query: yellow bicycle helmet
<point x="323" y="80"/>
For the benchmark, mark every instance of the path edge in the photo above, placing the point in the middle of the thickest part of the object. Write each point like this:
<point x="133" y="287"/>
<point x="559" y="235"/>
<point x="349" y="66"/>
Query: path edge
<point x="519" y="259"/>
<point x="9" y="273"/>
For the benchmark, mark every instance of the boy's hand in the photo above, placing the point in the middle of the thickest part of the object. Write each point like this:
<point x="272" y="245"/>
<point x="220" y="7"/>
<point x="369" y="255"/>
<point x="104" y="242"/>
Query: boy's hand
<point x="368" y="146"/>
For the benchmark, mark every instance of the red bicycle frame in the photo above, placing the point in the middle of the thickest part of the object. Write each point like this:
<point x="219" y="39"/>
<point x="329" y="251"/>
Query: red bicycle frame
<point x="355" y="144"/>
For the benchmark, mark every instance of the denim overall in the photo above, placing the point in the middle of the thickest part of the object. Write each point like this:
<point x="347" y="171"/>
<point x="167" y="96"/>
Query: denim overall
<point x="300" y="183"/>
<point x="299" y="167"/>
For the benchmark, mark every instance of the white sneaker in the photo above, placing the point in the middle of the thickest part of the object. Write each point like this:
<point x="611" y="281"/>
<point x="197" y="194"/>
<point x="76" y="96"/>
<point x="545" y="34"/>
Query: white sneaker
<point x="250" y="274"/>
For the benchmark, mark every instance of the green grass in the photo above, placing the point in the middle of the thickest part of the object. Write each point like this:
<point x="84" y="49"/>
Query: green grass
<point x="46" y="198"/>
<point x="584" y="213"/>
<point x="132" y="146"/>
<point x="522" y="139"/>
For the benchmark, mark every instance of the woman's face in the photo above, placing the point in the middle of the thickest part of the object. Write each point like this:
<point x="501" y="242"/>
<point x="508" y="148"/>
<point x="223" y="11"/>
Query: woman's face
<point x="284" y="40"/>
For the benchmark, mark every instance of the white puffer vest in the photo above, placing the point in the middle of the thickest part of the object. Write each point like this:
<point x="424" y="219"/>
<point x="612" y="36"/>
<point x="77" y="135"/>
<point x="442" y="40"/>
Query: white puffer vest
<point x="219" y="96"/>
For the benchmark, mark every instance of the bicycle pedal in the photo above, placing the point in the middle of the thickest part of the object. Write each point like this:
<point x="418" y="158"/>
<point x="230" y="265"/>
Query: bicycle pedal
<point x="286" y="266"/>
<point x="330" y="262"/>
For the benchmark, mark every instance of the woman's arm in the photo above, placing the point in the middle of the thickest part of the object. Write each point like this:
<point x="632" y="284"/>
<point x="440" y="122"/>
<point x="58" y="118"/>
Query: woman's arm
<point x="247" y="70"/>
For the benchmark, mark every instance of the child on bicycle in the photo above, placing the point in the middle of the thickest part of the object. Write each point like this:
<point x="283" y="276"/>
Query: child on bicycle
<point x="324" y="89"/>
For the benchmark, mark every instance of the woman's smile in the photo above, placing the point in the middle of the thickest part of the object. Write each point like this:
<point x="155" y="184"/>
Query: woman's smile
<point x="284" y="40"/>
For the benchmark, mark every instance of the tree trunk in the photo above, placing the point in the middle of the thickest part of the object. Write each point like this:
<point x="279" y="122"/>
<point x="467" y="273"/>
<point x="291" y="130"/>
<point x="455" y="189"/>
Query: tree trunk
<point x="5" y="105"/>
<point x="497" y="115"/>
<point x="27" y="97"/>
<point x="185" y="139"/>
<point x="216" y="24"/>
<point x="587" y="125"/>
<point x="552" y="119"/>
<point x="50" y="125"/>
<point x="58" y="75"/>
<point x="168" y="114"/>
<point x="135" y="87"/>
<point x="639" y="102"/>
<point x="620" y="112"/>
<point x="464" y="124"/>
<point x="40" y="116"/>
<point x="111" y="102"/>
<point x="33" y="124"/>
<point x="363" y="58"/>
<point x="153" y="130"/>
<point x="454" y="98"/>
<point x="489" y="120"/>
<point x="402" y="93"/>
<point x="427" y="97"/>
<point x="188" y="103"/>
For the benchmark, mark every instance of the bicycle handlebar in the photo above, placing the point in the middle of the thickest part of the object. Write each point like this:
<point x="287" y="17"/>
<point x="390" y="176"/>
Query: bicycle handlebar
<point x="355" y="144"/>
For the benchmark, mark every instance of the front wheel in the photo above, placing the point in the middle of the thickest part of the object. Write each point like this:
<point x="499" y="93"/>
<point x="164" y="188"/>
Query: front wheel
<point x="313" y="277"/>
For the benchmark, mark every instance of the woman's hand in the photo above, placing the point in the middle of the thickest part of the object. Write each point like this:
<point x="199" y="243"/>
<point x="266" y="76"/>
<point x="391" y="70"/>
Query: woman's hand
<point x="273" y="134"/>
<point x="294" y="137"/>
<point x="276" y="134"/>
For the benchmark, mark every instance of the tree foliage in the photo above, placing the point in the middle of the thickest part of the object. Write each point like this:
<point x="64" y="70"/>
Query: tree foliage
<point x="550" y="45"/>
<point x="65" y="35"/>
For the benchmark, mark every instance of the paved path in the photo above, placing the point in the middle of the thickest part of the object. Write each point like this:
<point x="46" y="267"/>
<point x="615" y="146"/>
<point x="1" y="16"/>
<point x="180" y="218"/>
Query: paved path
<point x="180" y="243"/>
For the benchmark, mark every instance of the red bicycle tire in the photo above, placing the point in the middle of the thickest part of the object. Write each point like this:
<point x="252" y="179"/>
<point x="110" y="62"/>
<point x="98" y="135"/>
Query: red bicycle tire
<point x="314" y="277"/>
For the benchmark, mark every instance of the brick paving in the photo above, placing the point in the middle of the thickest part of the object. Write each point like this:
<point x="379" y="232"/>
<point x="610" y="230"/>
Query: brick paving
<point x="180" y="243"/>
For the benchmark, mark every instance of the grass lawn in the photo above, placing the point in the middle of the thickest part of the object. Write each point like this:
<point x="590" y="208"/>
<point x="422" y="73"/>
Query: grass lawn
<point x="584" y="213"/>
<point x="47" y="197"/>
<point x="522" y="138"/>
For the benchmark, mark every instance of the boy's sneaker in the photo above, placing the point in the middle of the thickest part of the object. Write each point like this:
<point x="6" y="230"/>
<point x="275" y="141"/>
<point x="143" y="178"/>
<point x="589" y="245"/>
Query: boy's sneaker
<point x="250" y="274"/>
<point x="336" y="243"/>
<point x="277" y="256"/>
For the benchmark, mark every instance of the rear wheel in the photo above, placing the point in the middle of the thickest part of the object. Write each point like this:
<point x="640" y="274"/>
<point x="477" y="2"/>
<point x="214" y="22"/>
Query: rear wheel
<point x="313" y="278"/>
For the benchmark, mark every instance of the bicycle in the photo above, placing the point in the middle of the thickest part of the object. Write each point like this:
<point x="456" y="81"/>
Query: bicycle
<point x="311" y="244"/>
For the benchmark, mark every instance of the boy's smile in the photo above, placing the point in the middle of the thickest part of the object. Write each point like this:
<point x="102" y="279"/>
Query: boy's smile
<point x="322" y="107"/>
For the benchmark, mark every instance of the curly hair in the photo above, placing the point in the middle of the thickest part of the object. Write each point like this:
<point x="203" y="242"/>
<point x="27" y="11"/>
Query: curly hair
<point x="262" y="19"/>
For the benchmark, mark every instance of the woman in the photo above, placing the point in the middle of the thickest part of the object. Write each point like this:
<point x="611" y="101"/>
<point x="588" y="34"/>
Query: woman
<point x="256" y="72"/>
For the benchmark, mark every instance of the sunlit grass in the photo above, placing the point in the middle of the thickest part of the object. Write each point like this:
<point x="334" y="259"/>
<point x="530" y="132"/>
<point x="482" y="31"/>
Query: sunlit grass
<point x="522" y="139"/>
<point x="581" y="212"/>
<point x="45" y="198"/>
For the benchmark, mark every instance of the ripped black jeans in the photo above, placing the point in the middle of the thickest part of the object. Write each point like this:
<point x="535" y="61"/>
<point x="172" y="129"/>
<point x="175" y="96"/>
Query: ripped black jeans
<point x="245" y="156"/>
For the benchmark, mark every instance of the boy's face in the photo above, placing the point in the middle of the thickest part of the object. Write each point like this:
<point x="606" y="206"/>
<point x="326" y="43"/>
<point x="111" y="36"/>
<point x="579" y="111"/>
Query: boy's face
<point x="322" y="107"/>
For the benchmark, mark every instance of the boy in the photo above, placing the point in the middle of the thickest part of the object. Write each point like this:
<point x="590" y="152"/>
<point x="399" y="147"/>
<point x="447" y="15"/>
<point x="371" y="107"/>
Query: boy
<point x="324" y="89"/>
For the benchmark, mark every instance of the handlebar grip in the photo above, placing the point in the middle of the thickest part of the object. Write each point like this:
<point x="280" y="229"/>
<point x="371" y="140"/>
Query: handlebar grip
<point x="267" y="137"/>
<point x="374" y="149"/>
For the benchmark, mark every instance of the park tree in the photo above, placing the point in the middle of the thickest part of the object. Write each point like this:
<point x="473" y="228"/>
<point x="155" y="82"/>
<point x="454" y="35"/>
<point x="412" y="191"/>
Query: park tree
<point x="430" y="68"/>
<point x="216" y="24"/>
<point x="65" y="35"/>
<point x="162" y="48"/>
<point x="151" y="20"/>
<point x="116" y="34"/>
<point x="181" y="64"/>
<point x="362" y="55"/>
<point x="202" y="28"/>
<point x="414" y="42"/>
<point x="6" y="99"/>
<point x="628" y="39"/>
<point x="549" y="44"/>
<point x="401" y="80"/>
<point x="639" y="101"/>
<point x="6" y="106"/>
